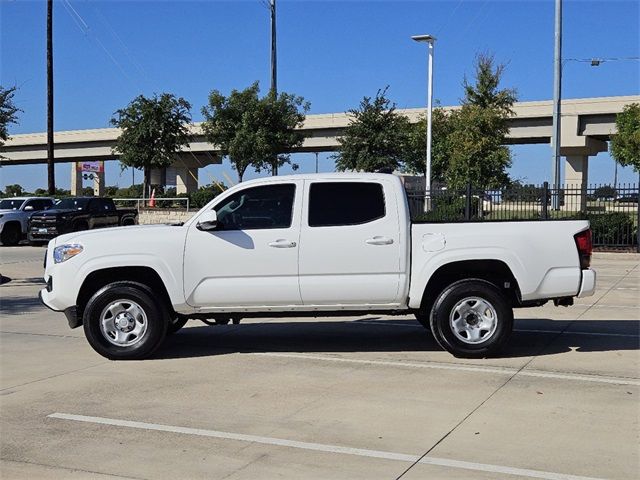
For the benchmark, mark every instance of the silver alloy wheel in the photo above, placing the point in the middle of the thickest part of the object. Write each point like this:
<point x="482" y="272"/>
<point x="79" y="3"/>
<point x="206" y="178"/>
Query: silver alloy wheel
<point x="123" y="322"/>
<point x="473" y="320"/>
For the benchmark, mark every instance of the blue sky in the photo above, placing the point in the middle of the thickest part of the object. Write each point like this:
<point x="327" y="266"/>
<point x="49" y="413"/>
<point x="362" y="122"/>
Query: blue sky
<point x="330" y="52"/>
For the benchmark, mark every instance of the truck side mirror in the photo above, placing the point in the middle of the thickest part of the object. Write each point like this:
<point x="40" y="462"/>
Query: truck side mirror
<point x="208" y="221"/>
<point x="28" y="208"/>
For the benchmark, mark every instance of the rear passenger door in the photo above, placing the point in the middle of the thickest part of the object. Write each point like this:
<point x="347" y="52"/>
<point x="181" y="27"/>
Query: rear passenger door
<point x="350" y="244"/>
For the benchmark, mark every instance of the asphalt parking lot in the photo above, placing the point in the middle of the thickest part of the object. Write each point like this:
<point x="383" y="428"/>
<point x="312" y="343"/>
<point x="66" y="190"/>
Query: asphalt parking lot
<point x="362" y="397"/>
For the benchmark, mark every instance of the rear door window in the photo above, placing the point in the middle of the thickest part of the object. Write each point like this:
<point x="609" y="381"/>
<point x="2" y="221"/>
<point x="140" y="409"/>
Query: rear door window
<point x="345" y="203"/>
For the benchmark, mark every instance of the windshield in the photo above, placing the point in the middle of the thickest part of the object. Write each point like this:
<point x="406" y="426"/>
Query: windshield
<point x="8" y="204"/>
<point x="72" y="203"/>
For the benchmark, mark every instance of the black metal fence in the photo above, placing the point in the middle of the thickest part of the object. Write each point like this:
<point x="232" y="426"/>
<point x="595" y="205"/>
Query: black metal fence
<point x="613" y="212"/>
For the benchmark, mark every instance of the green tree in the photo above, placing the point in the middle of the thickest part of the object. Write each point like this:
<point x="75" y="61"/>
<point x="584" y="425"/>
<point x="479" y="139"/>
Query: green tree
<point x="111" y="190"/>
<point x="625" y="145"/>
<point x="605" y="192"/>
<point x="153" y="131"/>
<point x="376" y="137"/>
<point x="415" y="153"/>
<point x="253" y="131"/>
<point x="14" y="190"/>
<point x="8" y="112"/>
<point x="476" y="147"/>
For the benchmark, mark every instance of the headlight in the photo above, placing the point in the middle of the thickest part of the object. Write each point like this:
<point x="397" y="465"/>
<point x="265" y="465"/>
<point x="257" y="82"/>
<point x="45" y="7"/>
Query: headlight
<point x="65" y="252"/>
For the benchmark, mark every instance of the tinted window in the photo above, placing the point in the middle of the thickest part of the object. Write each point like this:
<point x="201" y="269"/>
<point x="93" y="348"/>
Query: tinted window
<point x="257" y="208"/>
<point x="10" y="204"/>
<point x="40" y="204"/>
<point x="105" y="204"/>
<point x="73" y="203"/>
<point x="345" y="203"/>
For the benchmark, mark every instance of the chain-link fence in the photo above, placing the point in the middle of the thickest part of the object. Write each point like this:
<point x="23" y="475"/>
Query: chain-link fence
<point x="613" y="212"/>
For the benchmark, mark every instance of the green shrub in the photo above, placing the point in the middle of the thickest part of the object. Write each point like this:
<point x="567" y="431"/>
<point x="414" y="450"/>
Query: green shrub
<point x="612" y="228"/>
<point x="203" y="195"/>
<point x="448" y="209"/>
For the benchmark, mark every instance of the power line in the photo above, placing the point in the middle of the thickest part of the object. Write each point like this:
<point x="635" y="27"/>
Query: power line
<point x="87" y="32"/>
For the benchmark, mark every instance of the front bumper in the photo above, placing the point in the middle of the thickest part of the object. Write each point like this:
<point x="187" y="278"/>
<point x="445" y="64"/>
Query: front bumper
<point x="42" y="234"/>
<point x="71" y="312"/>
<point x="587" y="284"/>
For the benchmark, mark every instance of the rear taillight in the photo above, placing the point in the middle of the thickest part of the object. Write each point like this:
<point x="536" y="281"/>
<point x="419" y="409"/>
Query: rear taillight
<point x="585" y="247"/>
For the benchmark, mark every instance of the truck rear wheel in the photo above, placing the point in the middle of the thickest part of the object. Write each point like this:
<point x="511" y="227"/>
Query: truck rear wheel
<point x="471" y="319"/>
<point x="123" y="321"/>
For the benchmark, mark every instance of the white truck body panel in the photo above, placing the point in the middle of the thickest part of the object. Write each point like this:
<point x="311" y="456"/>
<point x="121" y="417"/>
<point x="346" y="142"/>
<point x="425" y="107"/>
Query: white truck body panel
<point x="384" y="264"/>
<point x="541" y="255"/>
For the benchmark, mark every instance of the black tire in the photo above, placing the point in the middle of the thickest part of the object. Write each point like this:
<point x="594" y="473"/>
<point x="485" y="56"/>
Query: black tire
<point x="80" y="227"/>
<point x="11" y="235"/>
<point x="463" y="296"/>
<point x="156" y="318"/>
<point x="176" y="324"/>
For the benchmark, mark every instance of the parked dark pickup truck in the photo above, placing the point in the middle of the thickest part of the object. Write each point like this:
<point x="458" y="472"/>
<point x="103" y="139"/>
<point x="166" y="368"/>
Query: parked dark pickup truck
<point x="76" y="214"/>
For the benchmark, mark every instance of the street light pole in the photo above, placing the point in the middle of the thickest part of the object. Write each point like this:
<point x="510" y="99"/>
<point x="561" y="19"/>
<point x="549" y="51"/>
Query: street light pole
<point x="430" y="40"/>
<point x="51" y="179"/>
<point x="557" y="94"/>
<point x="274" y="67"/>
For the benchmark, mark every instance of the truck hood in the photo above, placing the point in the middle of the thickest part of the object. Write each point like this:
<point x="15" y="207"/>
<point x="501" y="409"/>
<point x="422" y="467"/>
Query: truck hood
<point x="4" y="211"/>
<point x="121" y="235"/>
<point x="52" y="212"/>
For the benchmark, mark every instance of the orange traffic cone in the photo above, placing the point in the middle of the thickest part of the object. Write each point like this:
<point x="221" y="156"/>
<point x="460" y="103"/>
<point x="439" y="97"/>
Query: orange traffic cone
<point x="152" y="200"/>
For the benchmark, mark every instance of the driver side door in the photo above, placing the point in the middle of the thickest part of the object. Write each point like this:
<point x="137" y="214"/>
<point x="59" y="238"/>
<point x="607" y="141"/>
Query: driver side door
<point x="251" y="259"/>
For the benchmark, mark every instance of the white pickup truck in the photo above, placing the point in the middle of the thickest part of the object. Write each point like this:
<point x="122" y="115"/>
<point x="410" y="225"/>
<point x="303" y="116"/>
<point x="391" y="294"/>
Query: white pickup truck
<point x="313" y="245"/>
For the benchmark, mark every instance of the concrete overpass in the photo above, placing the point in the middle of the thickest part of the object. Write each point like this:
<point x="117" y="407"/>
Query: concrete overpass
<point x="587" y="124"/>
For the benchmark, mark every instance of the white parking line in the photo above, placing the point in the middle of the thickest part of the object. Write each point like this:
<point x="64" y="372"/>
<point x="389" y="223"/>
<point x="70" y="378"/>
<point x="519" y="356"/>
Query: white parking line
<point x="321" y="447"/>
<point x="463" y="368"/>
<point x="519" y="330"/>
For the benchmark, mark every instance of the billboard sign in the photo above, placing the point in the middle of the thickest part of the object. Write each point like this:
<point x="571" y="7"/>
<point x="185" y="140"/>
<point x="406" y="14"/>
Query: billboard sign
<point x="91" y="167"/>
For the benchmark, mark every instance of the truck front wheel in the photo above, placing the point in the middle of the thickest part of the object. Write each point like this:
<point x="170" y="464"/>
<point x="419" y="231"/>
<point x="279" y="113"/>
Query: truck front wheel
<point x="471" y="319"/>
<point x="11" y="234"/>
<point x="123" y="321"/>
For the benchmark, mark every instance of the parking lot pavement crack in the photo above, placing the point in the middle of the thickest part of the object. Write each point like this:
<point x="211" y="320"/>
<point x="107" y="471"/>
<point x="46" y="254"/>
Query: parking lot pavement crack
<point x="40" y="334"/>
<point x="464" y="419"/>
<point x="71" y="469"/>
<point x="53" y="376"/>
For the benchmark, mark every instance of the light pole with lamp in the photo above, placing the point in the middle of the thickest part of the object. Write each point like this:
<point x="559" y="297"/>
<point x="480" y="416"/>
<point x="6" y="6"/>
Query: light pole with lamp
<point x="430" y="40"/>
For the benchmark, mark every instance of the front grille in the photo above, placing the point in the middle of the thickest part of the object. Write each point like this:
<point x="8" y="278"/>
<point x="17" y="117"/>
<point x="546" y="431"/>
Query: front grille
<point x="44" y="221"/>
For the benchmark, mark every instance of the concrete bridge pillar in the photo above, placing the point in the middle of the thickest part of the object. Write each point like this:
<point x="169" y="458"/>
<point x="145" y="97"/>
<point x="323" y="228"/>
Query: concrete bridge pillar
<point x="576" y="178"/>
<point x="76" y="179"/>
<point x="186" y="179"/>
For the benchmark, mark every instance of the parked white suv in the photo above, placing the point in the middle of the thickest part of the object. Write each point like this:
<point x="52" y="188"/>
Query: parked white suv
<point x="324" y="244"/>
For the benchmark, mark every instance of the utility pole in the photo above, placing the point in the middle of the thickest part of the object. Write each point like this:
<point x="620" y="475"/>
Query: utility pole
<point x="50" y="161"/>
<point x="557" y="95"/>
<point x="274" y="68"/>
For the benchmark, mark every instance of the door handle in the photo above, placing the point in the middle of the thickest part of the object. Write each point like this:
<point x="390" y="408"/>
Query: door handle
<point x="282" y="243"/>
<point x="377" y="240"/>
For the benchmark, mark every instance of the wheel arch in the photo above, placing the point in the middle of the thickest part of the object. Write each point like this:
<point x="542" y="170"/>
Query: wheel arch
<point x="144" y="275"/>
<point x="12" y="223"/>
<point x="494" y="271"/>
